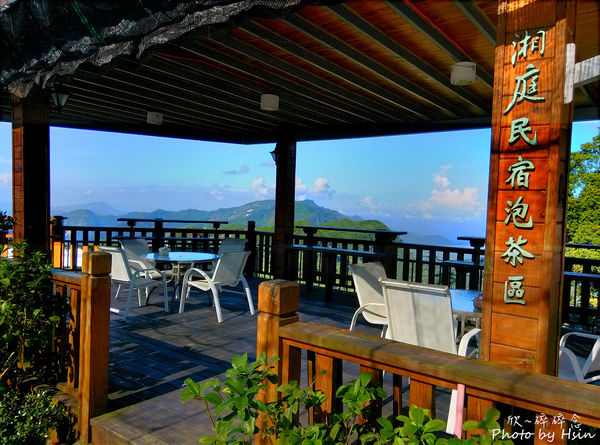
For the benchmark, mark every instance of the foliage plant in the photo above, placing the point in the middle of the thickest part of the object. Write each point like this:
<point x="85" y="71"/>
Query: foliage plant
<point x="29" y="317"/>
<point x="29" y="419"/>
<point x="6" y="222"/>
<point x="237" y="412"/>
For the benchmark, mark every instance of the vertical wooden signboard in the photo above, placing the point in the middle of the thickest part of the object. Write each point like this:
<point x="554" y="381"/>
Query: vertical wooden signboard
<point x="531" y="130"/>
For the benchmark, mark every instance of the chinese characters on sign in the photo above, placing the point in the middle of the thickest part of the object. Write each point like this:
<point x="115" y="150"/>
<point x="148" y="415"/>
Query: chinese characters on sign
<point x="517" y="210"/>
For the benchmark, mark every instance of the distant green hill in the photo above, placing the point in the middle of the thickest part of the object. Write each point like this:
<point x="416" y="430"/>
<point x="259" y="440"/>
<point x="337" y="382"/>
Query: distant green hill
<point x="262" y="212"/>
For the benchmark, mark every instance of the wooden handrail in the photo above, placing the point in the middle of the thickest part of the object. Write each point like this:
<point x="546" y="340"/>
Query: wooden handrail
<point x="279" y="333"/>
<point x="499" y="383"/>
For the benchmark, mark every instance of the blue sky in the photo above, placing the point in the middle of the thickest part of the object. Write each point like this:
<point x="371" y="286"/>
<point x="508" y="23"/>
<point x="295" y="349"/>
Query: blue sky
<point x="432" y="183"/>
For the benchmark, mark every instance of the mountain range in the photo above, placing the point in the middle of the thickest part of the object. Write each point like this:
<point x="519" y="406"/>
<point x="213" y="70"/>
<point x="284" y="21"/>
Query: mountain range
<point x="263" y="212"/>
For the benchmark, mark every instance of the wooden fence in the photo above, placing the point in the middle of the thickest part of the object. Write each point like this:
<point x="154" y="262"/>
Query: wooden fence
<point x="431" y="264"/>
<point x="86" y="336"/>
<point x="281" y="334"/>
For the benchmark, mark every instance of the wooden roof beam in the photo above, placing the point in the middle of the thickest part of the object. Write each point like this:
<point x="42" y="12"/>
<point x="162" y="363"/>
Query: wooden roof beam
<point x="358" y="57"/>
<point x="364" y="106"/>
<point x="392" y="101"/>
<point x="343" y="13"/>
<point x="436" y="36"/>
<point x="230" y="88"/>
<point x="477" y="18"/>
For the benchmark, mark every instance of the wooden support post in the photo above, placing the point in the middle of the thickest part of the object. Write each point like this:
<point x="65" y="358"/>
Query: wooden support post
<point x="375" y="405"/>
<point x="328" y="383"/>
<point x="396" y="395"/>
<point x="384" y="244"/>
<point x="278" y="302"/>
<point x="308" y="258"/>
<point x="251" y="247"/>
<point x="94" y="339"/>
<point x="31" y="171"/>
<point x="422" y="395"/>
<point x="157" y="232"/>
<point x="284" y="202"/>
<point x="58" y="241"/>
<point x="531" y="129"/>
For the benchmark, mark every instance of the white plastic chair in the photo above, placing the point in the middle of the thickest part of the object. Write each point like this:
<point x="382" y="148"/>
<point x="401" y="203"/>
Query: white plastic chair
<point x="136" y="278"/>
<point x="229" y="245"/>
<point x="135" y="249"/>
<point x="421" y="315"/>
<point x="228" y="272"/>
<point x="370" y="296"/>
<point x="574" y="367"/>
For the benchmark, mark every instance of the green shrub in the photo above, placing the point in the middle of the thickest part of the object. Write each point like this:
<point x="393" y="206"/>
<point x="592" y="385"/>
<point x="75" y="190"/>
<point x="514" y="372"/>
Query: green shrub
<point x="237" y="410"/>
<point x="27" y="420"/>
<point x="29" y="317"/>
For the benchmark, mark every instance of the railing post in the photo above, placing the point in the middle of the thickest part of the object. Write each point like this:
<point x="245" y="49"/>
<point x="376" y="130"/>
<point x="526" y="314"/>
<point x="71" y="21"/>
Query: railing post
<point x="308" y="269"/>
<point x="384" y="243"/>
<point x="157" y="232"/>
<point x="278" y="302"/>
<point x="57" y="235"/>
<point x="94" y="339"/>
<point x="251" y="246"/>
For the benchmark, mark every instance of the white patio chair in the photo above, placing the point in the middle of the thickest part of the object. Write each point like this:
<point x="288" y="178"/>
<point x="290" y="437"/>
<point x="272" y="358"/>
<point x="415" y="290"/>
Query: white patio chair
<point x="137" y="278"/>
<point x="421" y="315"/>
<point x="135" y="249"/>
<point x="229" y="245"/>
<point x="228" y="272"/>
<point x="370" y="296"/>
<point x="572" y="366"/>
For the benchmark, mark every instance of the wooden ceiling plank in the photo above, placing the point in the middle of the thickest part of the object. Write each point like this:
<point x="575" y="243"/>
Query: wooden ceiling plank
<point x="360" y="106"/>
<point x="347" y="109"/>
<point x="326" y="39"/>
<point x="437" y="37"/>
<point x="351" y="19"/>
<point x="98" y="94"/>
<point x="478" y="18"/>
<point x="152" y="102"/>
<point x="338" y="71"/>
<point x="293" y="109"/>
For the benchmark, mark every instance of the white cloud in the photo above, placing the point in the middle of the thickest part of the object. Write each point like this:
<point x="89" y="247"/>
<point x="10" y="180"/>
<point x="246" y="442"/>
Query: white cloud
<point x="240" y="171"/>
<point x="262" y="190"/>
<point x="217" y="194"/>
<point x="321" y="187"/>
<point x="446" y="202"/>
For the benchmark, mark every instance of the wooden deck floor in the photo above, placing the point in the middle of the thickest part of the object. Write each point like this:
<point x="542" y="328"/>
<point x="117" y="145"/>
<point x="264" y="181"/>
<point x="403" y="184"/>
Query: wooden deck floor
<point x="153" y="353"/>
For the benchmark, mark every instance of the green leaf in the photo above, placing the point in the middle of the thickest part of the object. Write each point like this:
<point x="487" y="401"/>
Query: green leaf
<point x="212" y="398"/>
<point x="240" y="362"/>
<point x="470" y="425"/>
<point x="434" y="425"/>
<point x="491" y="415"/>
<point x="417" y="415"/>
<point x="365" y="378"/>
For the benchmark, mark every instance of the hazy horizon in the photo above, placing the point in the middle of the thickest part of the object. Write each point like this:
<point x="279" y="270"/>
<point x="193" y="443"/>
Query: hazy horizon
<point x="430" y="184"/>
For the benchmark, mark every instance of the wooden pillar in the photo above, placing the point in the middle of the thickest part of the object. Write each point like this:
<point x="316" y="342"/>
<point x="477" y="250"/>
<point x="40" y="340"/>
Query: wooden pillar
<point x="31" y="171"/>
<point x="531" y="132"/>
<point x="285" y="184"/>
<point x="251" y="247"/>
<point x="94" y="339"/>
<point x="278" y="302"/>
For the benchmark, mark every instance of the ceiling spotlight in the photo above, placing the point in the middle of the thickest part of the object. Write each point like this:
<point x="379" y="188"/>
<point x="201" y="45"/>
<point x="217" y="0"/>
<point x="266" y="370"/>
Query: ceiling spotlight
<point x="463" y="73"/>
<point x="269" y="102"/>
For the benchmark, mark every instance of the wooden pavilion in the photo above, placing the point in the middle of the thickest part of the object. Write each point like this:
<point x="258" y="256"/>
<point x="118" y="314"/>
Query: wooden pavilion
<point x="339" y="69"/>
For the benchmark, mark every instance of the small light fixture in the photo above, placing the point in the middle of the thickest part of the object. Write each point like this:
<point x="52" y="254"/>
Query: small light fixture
<point x="462" y="74"/>
<point x="275" y="155"/>
<point x="59" y="96"/>
<point x="154" y="118"/>
<point x="269" y="102"/>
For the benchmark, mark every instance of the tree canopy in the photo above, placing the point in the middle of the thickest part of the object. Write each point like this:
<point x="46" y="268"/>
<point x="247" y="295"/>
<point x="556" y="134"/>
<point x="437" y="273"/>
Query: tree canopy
<point x="583" y="210"/>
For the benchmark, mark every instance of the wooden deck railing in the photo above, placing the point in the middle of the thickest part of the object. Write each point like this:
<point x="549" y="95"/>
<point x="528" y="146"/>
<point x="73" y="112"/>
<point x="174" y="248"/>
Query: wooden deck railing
<point x="406" y="261"/>
<point x="279" y="333"/>
<point x="85" y="339"/>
